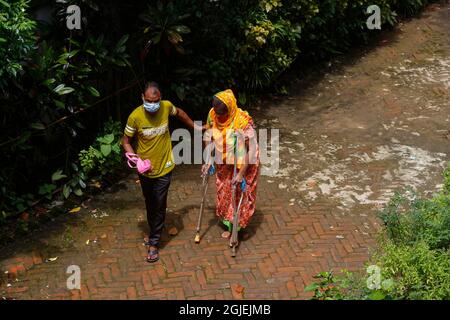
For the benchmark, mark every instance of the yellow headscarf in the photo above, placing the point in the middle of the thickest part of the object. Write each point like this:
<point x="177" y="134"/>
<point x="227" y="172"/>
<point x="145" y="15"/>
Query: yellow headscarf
<point x="238" y="119"/>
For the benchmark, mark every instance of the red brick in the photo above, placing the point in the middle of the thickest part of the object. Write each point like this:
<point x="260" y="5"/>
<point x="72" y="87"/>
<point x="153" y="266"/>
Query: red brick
<point x="131" y="293"/>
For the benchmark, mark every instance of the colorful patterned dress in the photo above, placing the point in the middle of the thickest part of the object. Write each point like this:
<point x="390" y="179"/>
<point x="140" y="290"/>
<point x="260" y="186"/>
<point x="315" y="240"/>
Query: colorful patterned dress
<point x="224" y="172"/>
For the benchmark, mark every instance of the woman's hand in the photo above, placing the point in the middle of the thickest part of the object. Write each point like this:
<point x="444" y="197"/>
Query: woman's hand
<point x="205" y="169"/>
<point x="237" y="179"/>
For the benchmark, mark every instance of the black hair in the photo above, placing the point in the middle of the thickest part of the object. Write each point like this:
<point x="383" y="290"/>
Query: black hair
<point x="151" y="84"/>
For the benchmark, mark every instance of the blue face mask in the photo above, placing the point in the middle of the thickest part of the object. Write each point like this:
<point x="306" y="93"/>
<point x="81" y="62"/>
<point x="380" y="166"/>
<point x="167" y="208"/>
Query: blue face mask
<point x="152" y="107"/>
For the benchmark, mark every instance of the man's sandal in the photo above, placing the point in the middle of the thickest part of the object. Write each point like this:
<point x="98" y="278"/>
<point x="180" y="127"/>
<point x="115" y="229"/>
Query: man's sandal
<point x="153" y="256"/>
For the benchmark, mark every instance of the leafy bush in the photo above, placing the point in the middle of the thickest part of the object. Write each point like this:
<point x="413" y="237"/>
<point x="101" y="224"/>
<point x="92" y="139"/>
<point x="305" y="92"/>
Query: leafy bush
<point x="41" y="128"/>
<point x="414" y="258"/>
<point x="419" y="272"/>
<point x="104" y="156"/>
<point x="411" y="221"/>
<point x="17" y="38"/>
<point x="414" y="220"/>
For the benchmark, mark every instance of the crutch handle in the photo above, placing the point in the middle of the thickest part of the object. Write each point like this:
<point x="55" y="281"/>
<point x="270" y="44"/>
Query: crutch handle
<point x="212" y="169"/>
<point x="243" y="185"/>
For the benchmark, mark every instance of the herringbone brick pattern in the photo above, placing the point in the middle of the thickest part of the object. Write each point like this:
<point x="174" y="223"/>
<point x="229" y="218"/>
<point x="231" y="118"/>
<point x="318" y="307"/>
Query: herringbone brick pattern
<point x="280" y="252"/>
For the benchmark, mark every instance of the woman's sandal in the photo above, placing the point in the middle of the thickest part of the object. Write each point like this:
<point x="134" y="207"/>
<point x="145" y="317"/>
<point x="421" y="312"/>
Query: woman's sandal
<point x="153" y="256"/>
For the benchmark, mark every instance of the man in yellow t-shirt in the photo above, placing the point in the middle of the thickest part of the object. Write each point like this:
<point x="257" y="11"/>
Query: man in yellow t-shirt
<point x="149" y="125"/>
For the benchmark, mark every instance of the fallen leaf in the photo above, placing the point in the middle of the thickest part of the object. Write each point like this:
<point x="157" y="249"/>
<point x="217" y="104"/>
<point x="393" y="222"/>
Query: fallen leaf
<point x="75" y="210"/>
<point x="87" y="242"/>
<point x="96" y="184"/>
<point x="226" y="234"/>
<point x="173" y="231"/>
<point x="103" y="236"/>
<point x="237" y="291"/>
<point x="340" y="237"/>
<point x="51" y="259"/>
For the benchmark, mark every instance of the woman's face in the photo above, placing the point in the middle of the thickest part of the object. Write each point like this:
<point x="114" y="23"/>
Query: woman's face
<point x="220" y="109"/>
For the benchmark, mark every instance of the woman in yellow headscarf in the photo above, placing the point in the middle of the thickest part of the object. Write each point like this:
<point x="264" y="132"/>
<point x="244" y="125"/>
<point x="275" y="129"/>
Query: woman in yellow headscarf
<point x="232" y="131"/>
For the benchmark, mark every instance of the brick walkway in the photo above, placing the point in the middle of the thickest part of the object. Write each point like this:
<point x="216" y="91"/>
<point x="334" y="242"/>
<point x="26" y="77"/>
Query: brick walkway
<point x="342" y="156"/>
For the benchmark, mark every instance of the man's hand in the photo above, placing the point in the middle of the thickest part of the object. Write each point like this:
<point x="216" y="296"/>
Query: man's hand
<point x="200" y="128"/>
<point x="126" y="144"/>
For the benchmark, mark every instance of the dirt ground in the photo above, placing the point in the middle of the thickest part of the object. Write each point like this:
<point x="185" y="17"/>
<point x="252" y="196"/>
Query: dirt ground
<point x="350" y="137"/>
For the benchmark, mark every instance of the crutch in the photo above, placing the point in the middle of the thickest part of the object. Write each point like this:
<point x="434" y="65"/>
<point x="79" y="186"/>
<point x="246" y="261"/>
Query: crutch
<point x="234" y="232"/>
<point x="205" y="188"/>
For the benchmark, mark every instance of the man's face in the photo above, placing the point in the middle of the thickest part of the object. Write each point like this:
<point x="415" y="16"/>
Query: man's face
<point x="152" y="95"/>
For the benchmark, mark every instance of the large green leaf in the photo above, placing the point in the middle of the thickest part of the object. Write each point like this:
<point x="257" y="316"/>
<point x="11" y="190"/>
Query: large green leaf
<point x="311" y="287"/>
<point x="69" y="55"/>
<point x="182" y="29"/>
<point x="46" y="189"/>
<point x="122" y="41"/>
<point x="93" y="91"/>
<point x="59" y="104"/>
<point x="62" y="89"/>
<point x="66" y="191"/>
<point x="377" y="295"/>
<point x="38" y="126"/>
<point x="6" y="4"/>
<point x="58" y="175"/>
<point x="174" y="37"/>
<point x="105" y="149"/>
<point x="48" y="82"/>
<point x="109" y="138"/>
<point x="82" y="184"/>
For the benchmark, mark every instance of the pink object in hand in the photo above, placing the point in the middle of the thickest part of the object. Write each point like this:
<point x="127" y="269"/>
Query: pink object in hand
<point x="135" y="162"/>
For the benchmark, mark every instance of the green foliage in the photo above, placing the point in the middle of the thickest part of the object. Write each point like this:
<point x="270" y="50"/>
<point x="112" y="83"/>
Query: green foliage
<point x="59" y="79"/>
<point x="104" y="156"/>
<point x="411" y="221"/>
<point x="166" y="26"/>
<point x="16" y="38"/>
<point x="446" y="188"/>
<point x="414" y="258"/>
<point x="326" y="287"/>
<point x="420" y="272"/>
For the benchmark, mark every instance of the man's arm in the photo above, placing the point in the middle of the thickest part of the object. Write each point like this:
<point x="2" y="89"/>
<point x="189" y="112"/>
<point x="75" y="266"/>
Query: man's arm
<point x="126" y="144"/>
<point x="187" y="120"/>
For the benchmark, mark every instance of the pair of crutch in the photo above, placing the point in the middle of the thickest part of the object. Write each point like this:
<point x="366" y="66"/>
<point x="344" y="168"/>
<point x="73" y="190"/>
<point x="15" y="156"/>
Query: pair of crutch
<point x="234" y="233"/>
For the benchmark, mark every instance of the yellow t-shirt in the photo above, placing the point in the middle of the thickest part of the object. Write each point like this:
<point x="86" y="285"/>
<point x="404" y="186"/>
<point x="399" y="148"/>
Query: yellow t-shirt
<point x="153" y="137"/>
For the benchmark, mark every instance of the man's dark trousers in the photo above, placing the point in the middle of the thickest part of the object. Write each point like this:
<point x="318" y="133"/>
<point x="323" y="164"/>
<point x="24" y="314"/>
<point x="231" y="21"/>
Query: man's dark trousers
<point x="155" y="193"/>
